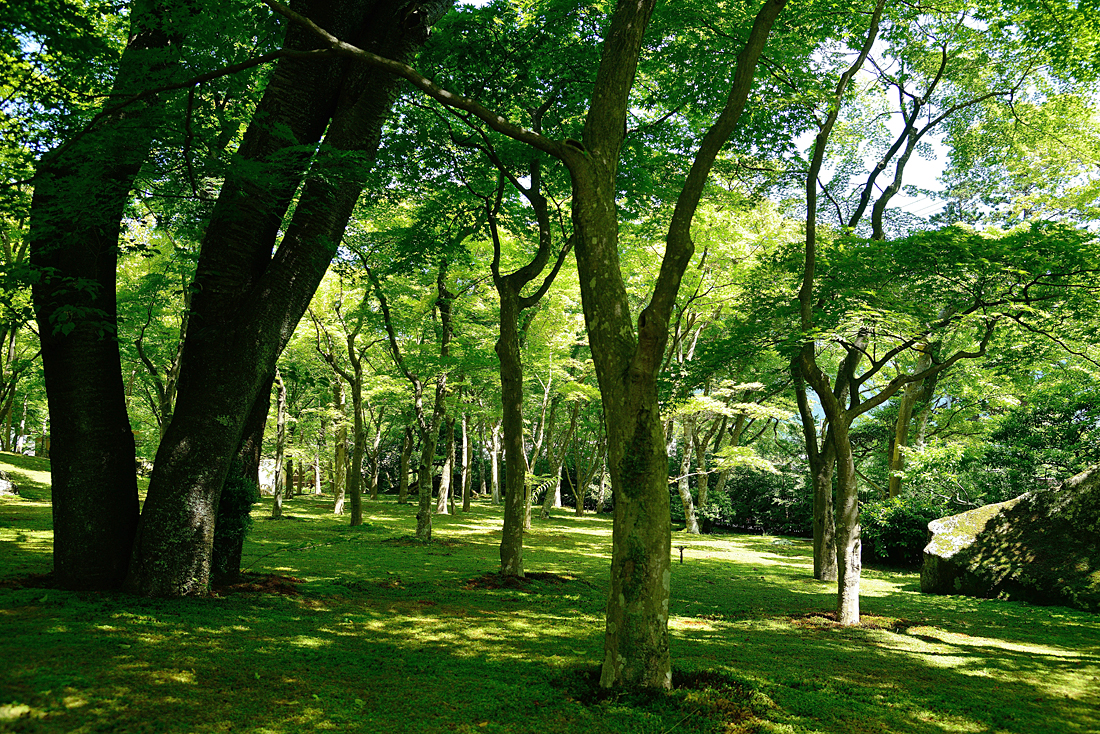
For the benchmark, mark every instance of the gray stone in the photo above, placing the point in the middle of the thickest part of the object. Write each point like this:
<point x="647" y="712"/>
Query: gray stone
<point x="1042" y="547"/>
<point x="7" y="486"/>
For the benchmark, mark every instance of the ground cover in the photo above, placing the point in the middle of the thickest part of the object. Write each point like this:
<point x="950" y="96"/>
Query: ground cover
<point x="341" y="629"/>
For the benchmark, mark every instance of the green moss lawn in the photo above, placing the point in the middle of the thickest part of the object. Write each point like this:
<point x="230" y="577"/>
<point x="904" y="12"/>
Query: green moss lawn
<point x="349" y="630"/>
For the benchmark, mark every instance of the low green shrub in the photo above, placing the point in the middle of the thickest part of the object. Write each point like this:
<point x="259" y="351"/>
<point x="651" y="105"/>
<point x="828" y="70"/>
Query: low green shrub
<point x="234" y="522"/>
<point x="895" y="530"/>
<point x="755" y="500"/>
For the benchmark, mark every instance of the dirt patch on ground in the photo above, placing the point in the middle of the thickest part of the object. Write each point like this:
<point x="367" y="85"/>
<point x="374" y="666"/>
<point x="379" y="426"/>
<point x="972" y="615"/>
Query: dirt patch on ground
<point x="34" y="581"/>
<point x="260" y="583"/>
<point x="827" y="620"/>
<point x="493" y="580"/>
<point x="413" y="540"/>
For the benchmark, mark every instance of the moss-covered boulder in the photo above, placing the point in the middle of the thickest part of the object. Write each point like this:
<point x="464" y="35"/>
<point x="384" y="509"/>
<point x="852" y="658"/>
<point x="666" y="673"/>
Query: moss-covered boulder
<point x="1042" y="547"/>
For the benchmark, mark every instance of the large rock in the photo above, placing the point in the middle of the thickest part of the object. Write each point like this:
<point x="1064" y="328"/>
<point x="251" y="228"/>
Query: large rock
<point x="1042" y="547"/>
<point x="7" y="486"/>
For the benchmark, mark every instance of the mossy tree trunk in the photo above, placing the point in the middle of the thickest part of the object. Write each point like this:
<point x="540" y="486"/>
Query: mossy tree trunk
<point x="81" y="191"/>
<point x="247" y="301"/>
<point x="627" y="361"/>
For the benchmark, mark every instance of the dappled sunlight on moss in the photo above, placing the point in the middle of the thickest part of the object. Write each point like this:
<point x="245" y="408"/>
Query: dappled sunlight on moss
<point x="378" y="616"/>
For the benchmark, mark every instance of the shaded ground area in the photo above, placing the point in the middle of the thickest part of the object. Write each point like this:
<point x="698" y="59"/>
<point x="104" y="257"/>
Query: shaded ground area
<point x="384" y="635"/>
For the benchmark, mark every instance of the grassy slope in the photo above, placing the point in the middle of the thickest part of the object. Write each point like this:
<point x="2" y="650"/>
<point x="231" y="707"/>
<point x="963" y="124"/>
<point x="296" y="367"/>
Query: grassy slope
<point x="391" y="636"/>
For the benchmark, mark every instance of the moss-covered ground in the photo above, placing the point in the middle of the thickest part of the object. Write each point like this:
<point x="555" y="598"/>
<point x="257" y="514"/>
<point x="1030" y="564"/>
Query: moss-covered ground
<point x="342" y="629"/>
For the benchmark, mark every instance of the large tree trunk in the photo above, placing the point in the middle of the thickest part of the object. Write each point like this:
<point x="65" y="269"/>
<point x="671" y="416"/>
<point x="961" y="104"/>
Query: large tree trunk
<point x="636" y="639"/>
<point x="80" y="192"/>
<point x="233" y="515"/>
<point x="627" y="362"/>
<point x="246" y="302"/>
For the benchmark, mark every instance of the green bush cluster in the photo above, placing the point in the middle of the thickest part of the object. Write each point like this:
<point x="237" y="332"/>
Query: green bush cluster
<point x="895" y="530"/>
<point x="758" y="501"/>
<point x="234" y="521"/>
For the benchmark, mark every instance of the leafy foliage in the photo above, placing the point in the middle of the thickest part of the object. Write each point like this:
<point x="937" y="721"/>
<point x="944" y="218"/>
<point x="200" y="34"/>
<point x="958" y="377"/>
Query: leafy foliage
<point x="895" y="530"/>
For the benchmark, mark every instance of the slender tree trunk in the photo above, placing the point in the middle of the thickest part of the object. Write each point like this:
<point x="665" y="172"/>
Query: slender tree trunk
<point x="355" y="472"/>
<point x="340" y="459"/>
<point x="20" y="436"/>
<point x="289" y="477"/>
<point x="280" y="444"/>
<point x="848" y="547"/>
<point x="909" y="397"/>
<point x="375" y="457"/>
<point x="494" y="463"/>
<point x="547" y="433"/>
<point x="467" y="450"/>
<point x="406" y="454"/>
<point x="691" y="522"/>
<point x="42" y="443"/>
<point x="821" y="460"/>
<point x="805" y="368"/>
<point x="700" y="443"/>
<point x="553" y="493"/>
<point x="428" y="441"/>
<point x="445" y="503"/>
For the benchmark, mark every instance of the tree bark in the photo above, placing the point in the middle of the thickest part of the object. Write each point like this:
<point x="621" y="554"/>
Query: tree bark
<point x="444" y="502"/>
<point x="406" y="454"/>
<point x="822" y="460"/>
<point x="683" y="485"/>
<point x="340" y="458"/>
<point x="233" y="515"/>
<point x="467" y="451"/>
<point x="280" y="445"/>
<point x="247" y="302"/>
<point x="375" y="458"/>
<point x="355" y="471"/>
<point x="80" y="193"/>
<point x="636" y="640"/>
<point x="428" y="428"/>
<point x="494" y="463"/>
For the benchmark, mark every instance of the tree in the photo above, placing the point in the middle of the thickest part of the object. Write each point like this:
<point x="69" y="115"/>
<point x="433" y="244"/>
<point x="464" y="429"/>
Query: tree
<point x="627" y="362"/>
<point x="428" y="425"/>
<point x="80" y="192"/>
<point x="218" y="383"/>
